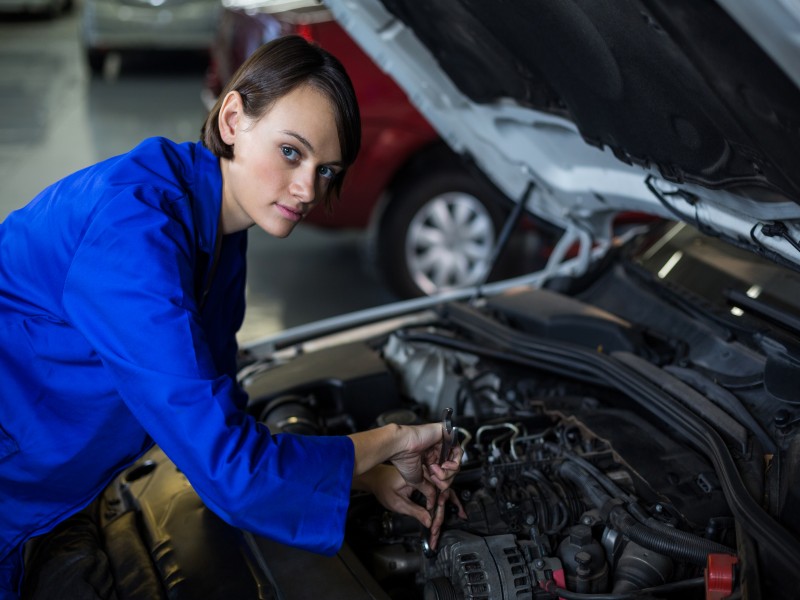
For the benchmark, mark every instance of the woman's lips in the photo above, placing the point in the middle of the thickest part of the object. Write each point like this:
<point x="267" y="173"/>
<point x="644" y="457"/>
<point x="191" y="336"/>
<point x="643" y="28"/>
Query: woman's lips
<point x="288" y="213"/>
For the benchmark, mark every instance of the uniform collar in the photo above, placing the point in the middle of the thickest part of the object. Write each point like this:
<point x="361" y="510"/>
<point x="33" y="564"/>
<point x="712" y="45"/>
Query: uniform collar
<point x="207" y="188"/>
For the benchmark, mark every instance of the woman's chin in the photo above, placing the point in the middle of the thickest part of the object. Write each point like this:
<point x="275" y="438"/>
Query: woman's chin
<point x="280" y="229"/>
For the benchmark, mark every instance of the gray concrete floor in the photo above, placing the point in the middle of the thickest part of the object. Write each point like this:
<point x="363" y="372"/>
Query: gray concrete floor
<point x="55" y="119"/>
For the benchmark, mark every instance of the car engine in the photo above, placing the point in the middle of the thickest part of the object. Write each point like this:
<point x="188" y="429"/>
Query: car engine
<point x="568" y="486"/>
<point x="550" y="502"/>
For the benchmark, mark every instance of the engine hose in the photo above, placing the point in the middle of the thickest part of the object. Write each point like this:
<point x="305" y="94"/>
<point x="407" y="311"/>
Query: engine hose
<point x="682" y="546"/>
<point x="593" y="490"/>
<point x="676" y="586"/>
<point x="688" y="548"/>
<point x="677" y="534"/>
<point x="611" y="487"/>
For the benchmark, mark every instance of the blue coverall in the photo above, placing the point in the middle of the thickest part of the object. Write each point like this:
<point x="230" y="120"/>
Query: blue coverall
<point x="114" y="336"/>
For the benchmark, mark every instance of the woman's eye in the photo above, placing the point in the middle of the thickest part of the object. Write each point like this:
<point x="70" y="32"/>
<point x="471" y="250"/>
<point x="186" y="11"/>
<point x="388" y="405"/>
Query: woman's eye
<point x="326" y="172"/>
<point x="290" y="152"/>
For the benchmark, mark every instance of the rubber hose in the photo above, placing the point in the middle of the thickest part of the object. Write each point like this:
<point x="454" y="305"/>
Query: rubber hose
<point x="573" y="472"/>
<point x="683" y="546"/>
<point x="677" y="534"/>
<point x="694" y="549"/>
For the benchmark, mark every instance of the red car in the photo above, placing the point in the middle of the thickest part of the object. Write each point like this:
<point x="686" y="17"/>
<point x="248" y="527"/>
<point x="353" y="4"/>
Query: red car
<point x="432" y="223"/>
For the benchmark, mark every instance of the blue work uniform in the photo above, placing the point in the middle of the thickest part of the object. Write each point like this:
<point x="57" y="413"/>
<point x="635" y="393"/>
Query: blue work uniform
<point x="119" y="304"/>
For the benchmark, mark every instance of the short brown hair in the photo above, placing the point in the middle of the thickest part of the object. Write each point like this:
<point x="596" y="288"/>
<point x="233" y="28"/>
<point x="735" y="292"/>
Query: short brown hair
<point x="274" y="70"/>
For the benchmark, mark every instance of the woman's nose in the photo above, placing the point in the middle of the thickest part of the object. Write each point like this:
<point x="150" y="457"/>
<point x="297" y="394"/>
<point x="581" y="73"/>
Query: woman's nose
<point x="302" y="186"/>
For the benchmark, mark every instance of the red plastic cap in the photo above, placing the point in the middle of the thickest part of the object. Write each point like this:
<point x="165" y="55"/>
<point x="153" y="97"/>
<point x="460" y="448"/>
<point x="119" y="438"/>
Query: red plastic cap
<point x="720" y="576"/>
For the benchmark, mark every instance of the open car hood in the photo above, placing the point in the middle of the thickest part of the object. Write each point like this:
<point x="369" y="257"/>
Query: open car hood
<point x="583" y="109"/>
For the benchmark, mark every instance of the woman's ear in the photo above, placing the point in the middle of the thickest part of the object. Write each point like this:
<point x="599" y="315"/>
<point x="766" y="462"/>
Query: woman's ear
<point x="229" y="114"/>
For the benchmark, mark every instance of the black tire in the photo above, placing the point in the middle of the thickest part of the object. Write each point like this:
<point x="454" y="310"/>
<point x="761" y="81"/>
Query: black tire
<point x="446" y="203"/>
<point x="96" y="59"/>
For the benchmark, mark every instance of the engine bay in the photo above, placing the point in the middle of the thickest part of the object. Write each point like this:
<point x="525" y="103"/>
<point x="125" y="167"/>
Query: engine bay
<point x="580" y="477"/>
<point x="566" y="485"/>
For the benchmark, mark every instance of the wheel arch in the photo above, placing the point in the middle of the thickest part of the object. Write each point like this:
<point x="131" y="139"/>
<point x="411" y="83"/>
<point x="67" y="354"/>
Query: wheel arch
<point x="424" y="165"/>
<point x="428" y="159"/>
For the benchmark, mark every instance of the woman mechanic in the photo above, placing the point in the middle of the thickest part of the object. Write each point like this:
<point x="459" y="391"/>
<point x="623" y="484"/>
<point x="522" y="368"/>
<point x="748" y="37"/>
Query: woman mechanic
<point x="121" y="290"/>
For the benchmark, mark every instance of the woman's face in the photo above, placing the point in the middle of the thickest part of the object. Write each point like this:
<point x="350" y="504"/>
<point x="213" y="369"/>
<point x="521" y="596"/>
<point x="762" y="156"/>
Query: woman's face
<point x="282" y="163"/>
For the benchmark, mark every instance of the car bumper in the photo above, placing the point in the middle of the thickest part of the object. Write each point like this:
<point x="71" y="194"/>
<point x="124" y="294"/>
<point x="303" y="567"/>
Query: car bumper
<point x="141" y="25"/>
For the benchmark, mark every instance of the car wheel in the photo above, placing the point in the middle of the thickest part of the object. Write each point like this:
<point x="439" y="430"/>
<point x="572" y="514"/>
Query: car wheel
<point x="438" y="233"/>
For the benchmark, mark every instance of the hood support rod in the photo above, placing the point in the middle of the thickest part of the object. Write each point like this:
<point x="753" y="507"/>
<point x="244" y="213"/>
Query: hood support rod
<point x="505" y="234"/>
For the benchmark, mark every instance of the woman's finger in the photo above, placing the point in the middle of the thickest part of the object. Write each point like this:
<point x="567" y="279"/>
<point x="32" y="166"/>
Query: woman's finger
<point x="428" y="489"/>
<point x="440" y="513"/>
<point x="412" y="509"/>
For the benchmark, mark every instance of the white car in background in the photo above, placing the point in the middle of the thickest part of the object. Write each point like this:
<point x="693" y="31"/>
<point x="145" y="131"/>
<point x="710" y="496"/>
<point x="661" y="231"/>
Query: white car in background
<point x="151" y="25"/>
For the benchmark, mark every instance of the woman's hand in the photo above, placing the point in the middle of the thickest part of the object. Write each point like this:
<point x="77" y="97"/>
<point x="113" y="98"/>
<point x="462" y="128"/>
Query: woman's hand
<point x="414" y="450"/>
<point x="418" y="461"/>
<point x="394" y="493"/>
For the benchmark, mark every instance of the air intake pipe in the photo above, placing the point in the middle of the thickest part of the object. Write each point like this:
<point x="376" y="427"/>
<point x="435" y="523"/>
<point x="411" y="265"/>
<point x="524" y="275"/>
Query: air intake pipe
<point x="677" y="544"/>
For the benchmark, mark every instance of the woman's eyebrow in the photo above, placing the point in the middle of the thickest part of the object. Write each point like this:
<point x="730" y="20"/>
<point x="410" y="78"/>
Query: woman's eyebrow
<point x="309" y="146"/>
<point x="300" y="139"/>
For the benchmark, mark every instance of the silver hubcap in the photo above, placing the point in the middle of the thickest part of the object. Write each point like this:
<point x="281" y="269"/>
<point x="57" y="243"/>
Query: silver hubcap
<point x="449" y="243"/>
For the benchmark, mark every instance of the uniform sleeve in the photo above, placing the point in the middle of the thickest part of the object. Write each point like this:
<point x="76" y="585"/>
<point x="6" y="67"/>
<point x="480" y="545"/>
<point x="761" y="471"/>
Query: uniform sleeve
<point x="129" y="291"/>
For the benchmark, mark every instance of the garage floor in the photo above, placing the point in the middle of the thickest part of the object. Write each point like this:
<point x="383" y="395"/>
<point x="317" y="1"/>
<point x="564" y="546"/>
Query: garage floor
<point x="55" y="119"/>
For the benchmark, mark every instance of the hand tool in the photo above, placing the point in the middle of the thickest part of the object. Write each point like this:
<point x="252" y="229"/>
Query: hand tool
<point x="448" y="439"/>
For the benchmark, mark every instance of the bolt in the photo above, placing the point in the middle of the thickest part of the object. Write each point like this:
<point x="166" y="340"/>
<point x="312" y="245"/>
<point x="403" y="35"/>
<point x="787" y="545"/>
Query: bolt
<point x="538" y="563"/>
<point x="580" y="535"/>
<point x="583" y="559"/>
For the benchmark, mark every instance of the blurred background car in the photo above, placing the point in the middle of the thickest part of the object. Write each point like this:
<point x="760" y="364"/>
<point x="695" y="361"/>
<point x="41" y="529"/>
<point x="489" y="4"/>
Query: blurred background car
<point x="145" y="25"/>
<point x="432" y="222"/>
<point x="45" y="8"/>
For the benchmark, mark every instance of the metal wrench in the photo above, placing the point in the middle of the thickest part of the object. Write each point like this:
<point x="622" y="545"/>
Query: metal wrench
<point x="448" y="437"/>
